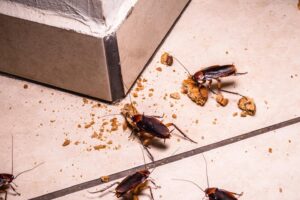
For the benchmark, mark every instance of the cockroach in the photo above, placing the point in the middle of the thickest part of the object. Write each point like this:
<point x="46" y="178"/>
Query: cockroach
<point x="141" y="123"/>
<point x="214" y="193"/>
<point x="132" y="184"/>
<point x="6" y="180"/>
<point x="215" y="72"/>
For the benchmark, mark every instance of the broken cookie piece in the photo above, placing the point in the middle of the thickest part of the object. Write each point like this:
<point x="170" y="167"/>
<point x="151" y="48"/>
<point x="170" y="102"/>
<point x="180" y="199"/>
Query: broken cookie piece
<point x="221" y="100"/>
<point x="166" y="59"/>
<point x="247" y="105"/>
<point x="196" y="94"/>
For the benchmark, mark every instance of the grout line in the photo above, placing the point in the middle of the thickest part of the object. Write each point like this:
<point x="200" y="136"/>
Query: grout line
<point x="164" y="161"/>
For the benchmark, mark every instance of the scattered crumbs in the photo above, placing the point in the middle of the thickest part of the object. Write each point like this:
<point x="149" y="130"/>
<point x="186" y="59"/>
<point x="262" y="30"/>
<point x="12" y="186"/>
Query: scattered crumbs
<point x="280" y="190"/>
<point x="104" y="179"/>
<point x="110" y="142"/>
<point x="135" y="94"/>
<point x="114" y="124"/>
<point x="25" y="86"/>
<point x="77" y="143"/>
<point x="175" y="95"/>
<point x="174" y="116"/>
<point x="197" y="121"/>
<point x="215" y="121"/>
<point x="235" y="114"/>
<point x="94" y="135"/>
<point x="166" y="59"/>
<point x="150" y="94"/>
<point x="40" y="101"/>
<point x="159" y="69"/>
<point x="89" y="124"/>
<point x="66" y="142"/>
<point x="85" y="100"/>
<point x="99" y="147"/>
<point x="52" y="121"/>
<point x="270" y="150"/>
<point x="151" y="89"/>
<point x="79" y="126"/>
<point x="221" y="100"/>
<point x="243" y="114"/>
<point x="98" y="105"/>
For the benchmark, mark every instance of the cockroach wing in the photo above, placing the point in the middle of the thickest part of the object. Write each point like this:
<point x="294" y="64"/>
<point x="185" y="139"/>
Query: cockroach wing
<point x="130" y="182"/>
<point x="222" y="195"/>
<point x="154" y="127"/>
<point x="219" y="71"/>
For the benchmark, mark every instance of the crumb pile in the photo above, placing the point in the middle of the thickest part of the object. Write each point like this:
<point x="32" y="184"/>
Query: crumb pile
<point x="199" y="96"/>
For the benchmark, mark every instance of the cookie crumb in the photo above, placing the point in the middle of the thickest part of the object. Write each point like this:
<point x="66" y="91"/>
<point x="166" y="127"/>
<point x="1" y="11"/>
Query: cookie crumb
<point x="66" y="142"/>
<point x="175" y="95"/>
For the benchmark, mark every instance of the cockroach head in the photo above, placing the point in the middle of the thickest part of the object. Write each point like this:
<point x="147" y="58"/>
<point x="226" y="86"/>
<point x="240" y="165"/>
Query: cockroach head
<point x="209" y="191"/>
<point x="199" y="77"/>
<point x="145" y="172"/>
<point x="8" y="178"/>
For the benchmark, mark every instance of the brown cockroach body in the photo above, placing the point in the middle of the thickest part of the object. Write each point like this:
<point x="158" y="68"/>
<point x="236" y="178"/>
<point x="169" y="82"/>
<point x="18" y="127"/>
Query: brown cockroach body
<point x="219" y="194"/>
<point x="133" y="184"/>
<point x="213" y="193"/>
<point x="215" y="73"/>
<point x="141" y="123"/>
<point x="6" y="183"/>
<point x="6" y="180"/>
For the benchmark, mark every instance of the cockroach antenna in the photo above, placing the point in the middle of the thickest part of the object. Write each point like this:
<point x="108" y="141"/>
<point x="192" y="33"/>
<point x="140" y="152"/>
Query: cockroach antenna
<point x="12" y="154"/>
<point x="29" y="169"/>
<point x="206" y="171"/>
<point x="198" y="186"/>
<point x="182" y="66"/>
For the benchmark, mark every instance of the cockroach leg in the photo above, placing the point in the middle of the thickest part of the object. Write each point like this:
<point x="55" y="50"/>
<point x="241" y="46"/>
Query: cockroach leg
<point x="151" y="193"/>
<point x="219" y="84"/>
<point x="240" y="194"/>
<point x="182" y="133"/>
<point x="106" y="188"/>
<point x="131" y="135"/>
<point x="147" y="150"/>
<point x="209" y="84"/>
<point x="156" y="186"/>
<point x="16" y="193"/>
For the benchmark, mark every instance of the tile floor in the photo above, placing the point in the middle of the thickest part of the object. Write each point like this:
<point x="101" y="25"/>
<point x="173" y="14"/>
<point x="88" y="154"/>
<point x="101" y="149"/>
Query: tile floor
<point x="258" y="36"/>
